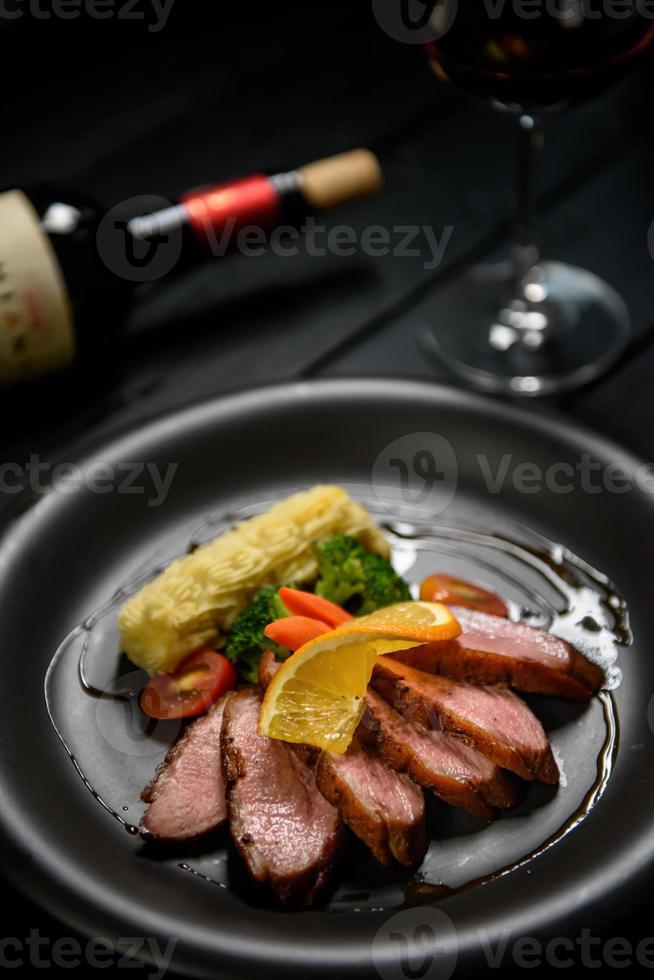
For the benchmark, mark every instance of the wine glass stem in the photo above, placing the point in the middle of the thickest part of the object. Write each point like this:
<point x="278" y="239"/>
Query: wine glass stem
<point x="530" y="145"/>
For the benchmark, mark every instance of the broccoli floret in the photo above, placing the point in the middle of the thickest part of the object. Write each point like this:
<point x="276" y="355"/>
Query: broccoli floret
<point x="355" y="578"/>
<point x="245" y="640"/>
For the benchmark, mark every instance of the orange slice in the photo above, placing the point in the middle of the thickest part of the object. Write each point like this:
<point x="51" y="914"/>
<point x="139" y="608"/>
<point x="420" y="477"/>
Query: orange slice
<point x="424" y="622"/>
<point x="317" y="695"/>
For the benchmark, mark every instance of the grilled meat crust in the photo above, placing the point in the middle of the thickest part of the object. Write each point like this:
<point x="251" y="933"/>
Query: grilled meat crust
<point x="492" y="720"/>
<point x="384" y="808"/>
<point x="455" y="773"/>
<point x="493" y="650"/>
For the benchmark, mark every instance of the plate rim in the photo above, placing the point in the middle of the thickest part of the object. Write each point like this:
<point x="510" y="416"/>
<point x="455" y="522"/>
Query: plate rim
<point x="547" y="421"/>
<point x="157" y="423"/>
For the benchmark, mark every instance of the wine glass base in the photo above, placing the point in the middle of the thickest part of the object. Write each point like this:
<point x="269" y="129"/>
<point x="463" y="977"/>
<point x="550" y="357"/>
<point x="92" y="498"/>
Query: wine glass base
<point x="557" y="329"/>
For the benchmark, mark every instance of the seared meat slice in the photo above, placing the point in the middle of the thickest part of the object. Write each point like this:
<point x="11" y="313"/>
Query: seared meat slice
<point x="187" y="793"/>
<point x="283" y="827"/>
<point x="493" y="650"/>
<point x="268" y="667"/>
<point x="453" y="771"/>
<point x="493" y="720"/>
<point x="384" y="808"/>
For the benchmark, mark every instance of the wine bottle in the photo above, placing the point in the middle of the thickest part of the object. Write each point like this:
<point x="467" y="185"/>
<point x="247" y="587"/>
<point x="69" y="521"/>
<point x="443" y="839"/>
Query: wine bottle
<point x="69" y="270"/>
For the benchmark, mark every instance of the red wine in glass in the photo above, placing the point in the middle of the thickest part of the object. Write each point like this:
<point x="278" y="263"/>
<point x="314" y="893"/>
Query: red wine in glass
<point x="525" y="325"/>
<point x="551" y="61"/>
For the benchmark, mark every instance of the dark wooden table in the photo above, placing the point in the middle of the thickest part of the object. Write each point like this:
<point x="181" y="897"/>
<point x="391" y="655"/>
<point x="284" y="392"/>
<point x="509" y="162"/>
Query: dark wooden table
<point x="118" y="110"/>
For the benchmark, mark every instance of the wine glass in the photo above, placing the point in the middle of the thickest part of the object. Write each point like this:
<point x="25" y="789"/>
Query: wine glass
<point x="527" y="326"/>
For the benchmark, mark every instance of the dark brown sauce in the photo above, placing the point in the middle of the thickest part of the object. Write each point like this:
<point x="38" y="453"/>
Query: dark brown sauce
<point x="198" y="874"/>
<point x="588" y="611"/>
<point x="129" y="827"/>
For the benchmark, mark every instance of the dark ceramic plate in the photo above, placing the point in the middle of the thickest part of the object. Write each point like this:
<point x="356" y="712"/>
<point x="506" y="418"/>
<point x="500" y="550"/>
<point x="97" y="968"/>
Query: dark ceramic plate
<point x="445" y="472"/>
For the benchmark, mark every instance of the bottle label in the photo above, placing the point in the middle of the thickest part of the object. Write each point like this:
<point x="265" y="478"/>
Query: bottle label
<point x="36" y="321"/>
<point x="214" y="212"/>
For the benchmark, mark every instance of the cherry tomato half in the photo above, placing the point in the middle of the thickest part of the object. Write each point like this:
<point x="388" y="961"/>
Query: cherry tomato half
<point x="457" y="592"/>
<point x="200" y="679"/>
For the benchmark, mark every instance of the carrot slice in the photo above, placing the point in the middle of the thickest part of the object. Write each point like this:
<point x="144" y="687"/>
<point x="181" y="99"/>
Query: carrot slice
<point x="307" y="604"/>
<point x="293" y="632"/>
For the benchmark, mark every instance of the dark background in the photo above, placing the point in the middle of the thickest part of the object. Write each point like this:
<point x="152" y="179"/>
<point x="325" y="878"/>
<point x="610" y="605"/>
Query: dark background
<point x="117" y="110"/>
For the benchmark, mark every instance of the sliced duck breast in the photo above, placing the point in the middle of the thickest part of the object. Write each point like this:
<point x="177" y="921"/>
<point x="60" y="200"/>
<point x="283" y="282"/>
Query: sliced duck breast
<point x="384" y="808"/>
<point x="493" y="650"/>
<point x="453" y="771"/>
<point x="284" y="829"/>
<point x="492" y="720"/>
<point x="187" y="793"/>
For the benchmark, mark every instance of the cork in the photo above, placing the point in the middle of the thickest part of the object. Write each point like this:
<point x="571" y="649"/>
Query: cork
<point x="335" y="180"/>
